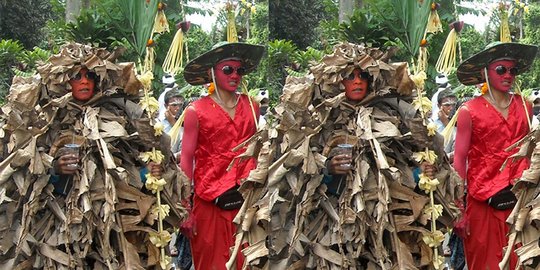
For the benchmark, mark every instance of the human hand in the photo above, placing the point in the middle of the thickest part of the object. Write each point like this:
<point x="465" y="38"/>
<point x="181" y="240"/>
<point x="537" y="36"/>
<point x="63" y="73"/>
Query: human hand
<point x="188" y="227"/>
<point x="170" y="117"/>
<point x="174" y="251"/>
<point x="443" y="117"/>
<point x="451" y="157"/>
<point x="461" y="226"/>
<point x="339" y="164"/>
<point x="66" y="162"/>
<point x="155" y="169"/>
<point x="428" y="169"/>
<point x="442" y="114"/>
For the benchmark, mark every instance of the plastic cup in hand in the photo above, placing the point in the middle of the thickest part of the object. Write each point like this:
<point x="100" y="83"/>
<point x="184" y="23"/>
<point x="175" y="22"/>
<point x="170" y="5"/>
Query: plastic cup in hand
<point x="345" y="149"/>
<point x="72" y="149"/>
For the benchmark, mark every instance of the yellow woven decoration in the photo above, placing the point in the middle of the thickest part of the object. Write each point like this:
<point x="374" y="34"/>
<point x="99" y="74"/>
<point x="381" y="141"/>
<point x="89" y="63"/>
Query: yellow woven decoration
<point x="505" y="29"/>
<point x="232" y="36"/>
<point x="423" y="57"/>
<point x="173" y="61"/>
<point x="447" y="59"/>
<point x="434" y="22"/>
<point x="149" y="59"/>
<point x="161" y="25"/>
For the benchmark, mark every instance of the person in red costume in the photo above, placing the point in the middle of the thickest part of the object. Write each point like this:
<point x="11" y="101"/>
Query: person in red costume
<point x="213" y="126"/>
<point x="486" y="126"/>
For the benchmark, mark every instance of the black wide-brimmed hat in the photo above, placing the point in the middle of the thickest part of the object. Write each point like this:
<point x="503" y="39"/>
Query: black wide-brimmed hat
<point x="196" y="71"/>
<point x="470" y="71"/>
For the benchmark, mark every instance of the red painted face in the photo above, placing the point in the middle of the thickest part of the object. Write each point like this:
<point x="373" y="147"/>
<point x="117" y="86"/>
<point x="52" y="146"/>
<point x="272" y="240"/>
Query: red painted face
<point x="356" y="85"/>
<point x="82" y="85"/>
<point x="229" y="74"/>
<point x="501" y="75"/>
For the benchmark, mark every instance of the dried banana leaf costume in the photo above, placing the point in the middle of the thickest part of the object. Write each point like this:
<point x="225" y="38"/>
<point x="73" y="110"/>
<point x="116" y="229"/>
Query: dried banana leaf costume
<point x="104" y="220"/>
<point x="525" y="217"/>
<point x="378" y="220"/>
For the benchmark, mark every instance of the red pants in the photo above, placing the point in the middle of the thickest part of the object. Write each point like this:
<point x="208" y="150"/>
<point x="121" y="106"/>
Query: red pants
<point x="215" y="236"/>
<point x="488" y="235"/>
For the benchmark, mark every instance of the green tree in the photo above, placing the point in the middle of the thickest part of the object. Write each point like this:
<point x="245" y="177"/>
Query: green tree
<point x="74" y="8"/>
<point x="347" y="9"/>
<point x="15" y="60"/>
<point x="280" y="57"/>
<point x="531" y="79"/>
<point x="10" y="51"/>
<point x="23" y="20"/>
<point x="259" y="35"/>
<point x="296" y="20"/>
<point x="364" y="27"/>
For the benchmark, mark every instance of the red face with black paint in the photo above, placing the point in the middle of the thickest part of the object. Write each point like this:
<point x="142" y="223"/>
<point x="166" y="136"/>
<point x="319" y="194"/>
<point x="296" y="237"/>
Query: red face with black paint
<point x="229" y="74"/>
<point x="501" y="75"/>
<point x="83" y="84"/>
<point x="356" y="85"/>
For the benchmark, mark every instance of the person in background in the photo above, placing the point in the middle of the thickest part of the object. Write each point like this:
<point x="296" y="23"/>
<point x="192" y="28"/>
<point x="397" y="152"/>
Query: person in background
<point x="447" y="103"/>
<point x="264" y="101"/>
<point x="173" y="107"/>
<point x="442" y="83"/>
<point x="486" y="126"/>
<point x="213" y="126"/>
<point x="169" y="83"/>
<point x="534" y="98"/>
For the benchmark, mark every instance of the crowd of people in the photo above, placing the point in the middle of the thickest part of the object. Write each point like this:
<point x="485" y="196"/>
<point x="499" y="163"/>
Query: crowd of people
<point x="333" y="178"/>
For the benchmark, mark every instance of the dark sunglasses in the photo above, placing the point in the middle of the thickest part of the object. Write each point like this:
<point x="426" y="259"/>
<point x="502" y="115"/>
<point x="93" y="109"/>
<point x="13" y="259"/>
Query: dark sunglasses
<point x="501" y="70"/>
<point x="363" y="75"/>
<point x="88" y="75"/>
<point x="228" y="70"/>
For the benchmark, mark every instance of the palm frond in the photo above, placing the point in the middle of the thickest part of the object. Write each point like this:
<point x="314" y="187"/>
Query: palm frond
<point x="413" y="16"/>
<point x="140" y="18"/>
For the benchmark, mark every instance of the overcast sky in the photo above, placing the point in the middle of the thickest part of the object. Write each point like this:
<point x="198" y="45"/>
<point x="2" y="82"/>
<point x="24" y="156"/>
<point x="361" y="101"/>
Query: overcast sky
<point x="205" y="22"/>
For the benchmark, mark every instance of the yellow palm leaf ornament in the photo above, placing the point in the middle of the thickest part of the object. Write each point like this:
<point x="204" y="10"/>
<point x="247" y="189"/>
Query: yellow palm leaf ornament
<point x="232" y="35"/>
<point x="161" y="25"/>
<point x="434" y="22"/>
<point x="433" y="238"/>
<point x="505" y="28"/>
<point x="447" y="59"/>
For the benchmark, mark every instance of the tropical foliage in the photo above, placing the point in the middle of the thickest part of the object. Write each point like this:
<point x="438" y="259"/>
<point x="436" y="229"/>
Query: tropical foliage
<point x="295" y="21"/>
<point x="138" y="22"/>
<point x="22" y="20"/>
<point x="91" y="28"/>
<point x="10" y="52"/>
<point x="293" y="36"/>
<point x="531" y="79"/>
<point x="365" y="27"/>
